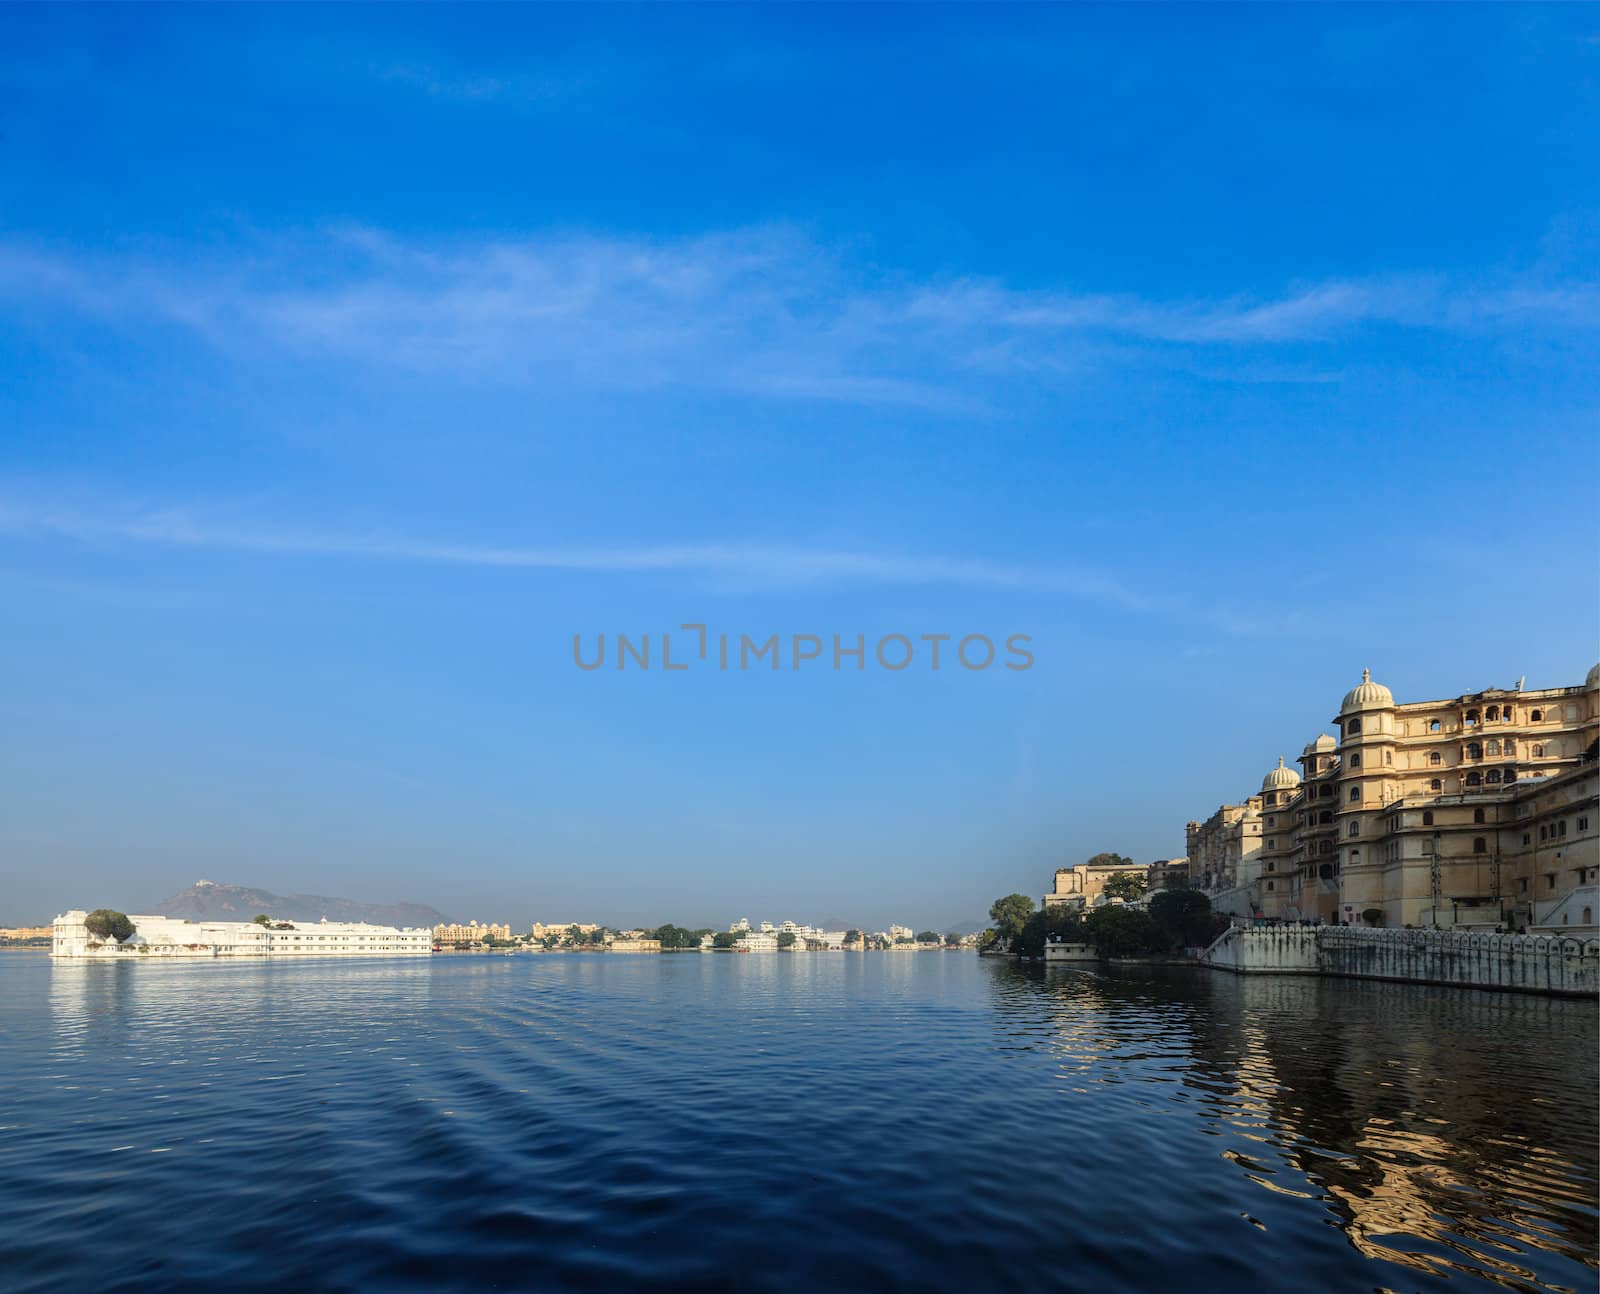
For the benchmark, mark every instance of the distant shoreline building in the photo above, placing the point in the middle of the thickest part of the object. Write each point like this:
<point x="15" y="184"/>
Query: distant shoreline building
<point x="168" y="937"/>
<point x="471" y="933"/>
<point x="1478" y="811"/>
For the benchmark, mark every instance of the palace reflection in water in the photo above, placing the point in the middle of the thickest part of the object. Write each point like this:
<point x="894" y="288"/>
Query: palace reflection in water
<point x="1443" y="1130"/>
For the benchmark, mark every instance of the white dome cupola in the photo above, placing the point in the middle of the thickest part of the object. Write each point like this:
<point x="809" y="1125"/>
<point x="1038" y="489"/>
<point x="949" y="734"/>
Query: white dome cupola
<point x="1280" y="778"/>
<point x="1367" y="695"/>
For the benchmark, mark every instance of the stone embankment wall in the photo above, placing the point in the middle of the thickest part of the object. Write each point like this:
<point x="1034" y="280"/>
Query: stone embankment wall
<point x="1524" y="963"/>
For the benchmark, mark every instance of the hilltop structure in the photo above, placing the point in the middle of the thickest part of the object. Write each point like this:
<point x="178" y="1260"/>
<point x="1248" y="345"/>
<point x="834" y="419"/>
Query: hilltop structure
<point x="1481" y="810"/>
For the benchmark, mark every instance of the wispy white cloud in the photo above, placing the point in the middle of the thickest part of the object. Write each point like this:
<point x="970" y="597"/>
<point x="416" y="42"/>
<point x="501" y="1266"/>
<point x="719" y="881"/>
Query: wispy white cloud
<point x="755" y="565"/>
<point x="764" y="311"/>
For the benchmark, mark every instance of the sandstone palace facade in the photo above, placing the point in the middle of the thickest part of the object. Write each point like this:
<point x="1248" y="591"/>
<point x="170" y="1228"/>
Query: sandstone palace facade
<point x="1481" y="810"/>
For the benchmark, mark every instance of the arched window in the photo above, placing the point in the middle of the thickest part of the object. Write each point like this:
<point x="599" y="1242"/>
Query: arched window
<point x="1491" y="714"/>
<point x="1493" y="747"/>
<point x="1325" y="816"/>
<point x="1355" y="855"/>
<point x="1477" y="815"/>
<point x="1325" y="872"/>
<point x="1355" y="829"/>
<point x="1474" y="750"/>
<point x="1474" y="779"/>
<point x="1538" y="752"/>
<point x="1493" y="775"/>
<point x="1353" y="728"/>
<point x="1535" y="716"/>
<point x="1355" y="761"/>
<point x="1472" y="718"/>
<point x="1479" y="845"/>
<point x="1436" y="785"/>
<point x="1355" y="795"/>
<point x="1510" y="746"/>
<point x="1435" y="758"/>
<point x="1588" y="916"/>
<point x="1433" y="725"/>
<point x="1427" y="817"/>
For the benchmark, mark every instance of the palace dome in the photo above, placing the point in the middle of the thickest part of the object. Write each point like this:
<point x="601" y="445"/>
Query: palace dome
<point x="1324" y="744"/>
<point x="1367" y="695"/>
<point x="1280" y="778"/>
<point x="1592" y="681"/>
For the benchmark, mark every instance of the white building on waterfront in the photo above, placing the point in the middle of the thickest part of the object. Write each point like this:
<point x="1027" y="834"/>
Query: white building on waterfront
<point x="165" y="937"/>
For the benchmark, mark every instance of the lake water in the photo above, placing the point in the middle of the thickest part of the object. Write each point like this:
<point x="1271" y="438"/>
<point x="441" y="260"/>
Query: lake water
<point x="881" y="1121"/>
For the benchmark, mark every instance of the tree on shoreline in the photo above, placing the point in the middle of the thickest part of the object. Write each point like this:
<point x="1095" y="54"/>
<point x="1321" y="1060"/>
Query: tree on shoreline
<point x="106" y="923"/>
<point x="1010" y="915"/>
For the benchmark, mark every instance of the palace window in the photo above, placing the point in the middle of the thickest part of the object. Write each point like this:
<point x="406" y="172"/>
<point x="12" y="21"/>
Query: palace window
<point x="1493" y="775"/>
<point x="1544" y="833"/>
<point x="1527" y="838"/>
<point x="1535" y="716"/>
<point x="1491" y="714"/>
<point x="1583" y="824"/>
<point x="1538" y="752"/>
<point x="1477" y="815"/>
<point x="1480" y="845"/>
<point x="1474" y="779"/>
<point x="1427" y="817"/>
<point x="1326" y="847"/>
<point x="1326" y="791"/>
<point x="1549" y="880"/>
<point x="1325" y="871"/>
<point x="1353" y="728"/>
<point x="1355" y="829"/>
<point x="1435" y="758"/>
<point x="1271" y="844"/>
<point x="1388" y="757"/>
<point x="1355" y="761"/>
<point x="1271" y="884"/>
<point x="1472" y="719"/>
<point x="1355" y="795"/>
<point x="1355" y="855"/>
<point x="1561" y="827"/>
<point x="1325" y="816"/>
<point x="1474" y="750"/>
<point x="1433" y="725"/>
<point x="1436" y="785"/>
<point x="1510" y="747"/>
<point x="1271" y="865"/>
<point x="1493" y="747"/>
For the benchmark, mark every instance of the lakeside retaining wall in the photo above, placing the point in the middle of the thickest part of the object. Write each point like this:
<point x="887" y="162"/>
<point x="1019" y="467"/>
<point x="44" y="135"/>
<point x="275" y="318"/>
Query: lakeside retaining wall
<point x="1522" y="963"/>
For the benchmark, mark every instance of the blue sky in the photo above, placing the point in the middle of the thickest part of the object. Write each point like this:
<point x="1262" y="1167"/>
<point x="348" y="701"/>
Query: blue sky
<point x="353" y="360"/>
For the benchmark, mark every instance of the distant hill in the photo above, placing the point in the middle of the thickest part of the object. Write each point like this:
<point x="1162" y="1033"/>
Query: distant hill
<point x="206" y="900"/>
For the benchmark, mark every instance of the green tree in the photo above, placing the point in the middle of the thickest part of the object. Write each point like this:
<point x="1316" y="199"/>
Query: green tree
<point x="852" y="936"/>
<point x="262" y="919"/>
<point x="724" y="939"/>
<point x="786" y="939"/>
<point x="1047" y="922"/>
<point x="104" y="923"/>
<point x="1125" y="885"/>
<point x="953" y="939"/>
<point x="1010" y="914"/>
<point x="1123" y="932"/>
<point x="1109" y="860"/>
<point x="929" y="937"/>
<point x="1183" y="917"/>
<point x="598" y="935"/>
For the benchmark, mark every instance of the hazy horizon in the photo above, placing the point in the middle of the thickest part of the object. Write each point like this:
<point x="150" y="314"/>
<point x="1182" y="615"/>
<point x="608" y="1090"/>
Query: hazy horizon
<point x="354" y="361"/>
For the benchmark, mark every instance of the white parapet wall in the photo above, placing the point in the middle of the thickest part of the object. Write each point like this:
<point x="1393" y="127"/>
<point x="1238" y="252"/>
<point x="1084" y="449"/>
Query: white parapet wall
<point x="169" y="937"/>
<point x="1523" y="963"/>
